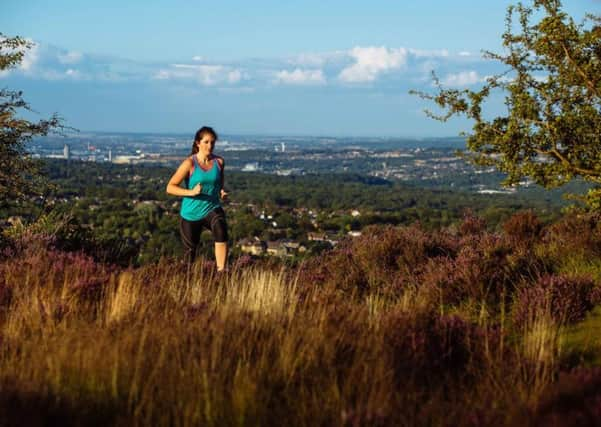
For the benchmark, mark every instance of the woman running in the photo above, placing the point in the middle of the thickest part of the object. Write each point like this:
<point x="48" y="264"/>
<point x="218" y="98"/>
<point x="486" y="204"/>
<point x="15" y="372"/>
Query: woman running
<point x="202" y="192"/>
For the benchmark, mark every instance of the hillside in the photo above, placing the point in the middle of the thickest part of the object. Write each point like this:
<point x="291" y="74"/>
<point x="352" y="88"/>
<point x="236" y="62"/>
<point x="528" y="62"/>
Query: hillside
<point x="402" y="326"/>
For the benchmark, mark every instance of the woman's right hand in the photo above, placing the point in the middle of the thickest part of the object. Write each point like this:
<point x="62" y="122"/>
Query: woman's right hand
<point x="196" y="190"/>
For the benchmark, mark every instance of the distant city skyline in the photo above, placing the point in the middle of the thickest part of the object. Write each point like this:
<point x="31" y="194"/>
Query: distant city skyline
<point x="266" y="67"/>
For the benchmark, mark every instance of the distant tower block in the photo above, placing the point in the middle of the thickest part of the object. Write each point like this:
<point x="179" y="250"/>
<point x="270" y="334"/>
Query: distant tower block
<point x="283" y="147"/>
<point x="110" y="156"/>
<point x="66" y="152"/>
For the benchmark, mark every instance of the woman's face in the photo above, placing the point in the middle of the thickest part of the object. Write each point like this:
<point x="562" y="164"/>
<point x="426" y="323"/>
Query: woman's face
<point x="206" y="144"/>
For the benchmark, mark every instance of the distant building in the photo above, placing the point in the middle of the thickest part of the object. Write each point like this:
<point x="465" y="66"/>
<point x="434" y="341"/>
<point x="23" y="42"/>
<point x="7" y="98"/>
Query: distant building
<point x="317" y="237"/>
<point x="66" y="152"/>
<point x="323" y="237"/>
<point x="277" y="249"/>
<point x="293" y="246"/>
<point x="126" y="159"/>
<point x="252" y="246"/>
<point x="251" y="167"/>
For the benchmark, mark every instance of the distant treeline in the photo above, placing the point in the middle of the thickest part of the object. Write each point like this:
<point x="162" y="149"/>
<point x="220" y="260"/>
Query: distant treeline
<point x="128" y="204"/>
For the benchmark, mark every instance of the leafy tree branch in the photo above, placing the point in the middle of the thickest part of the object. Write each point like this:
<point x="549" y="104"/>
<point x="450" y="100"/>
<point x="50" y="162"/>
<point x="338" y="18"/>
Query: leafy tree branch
<point x="19" y="174"/>
<point x="551" y="132"/>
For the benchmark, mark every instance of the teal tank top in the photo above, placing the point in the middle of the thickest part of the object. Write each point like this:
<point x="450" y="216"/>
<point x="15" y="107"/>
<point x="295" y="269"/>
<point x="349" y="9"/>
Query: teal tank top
<point x="197" y="207"/>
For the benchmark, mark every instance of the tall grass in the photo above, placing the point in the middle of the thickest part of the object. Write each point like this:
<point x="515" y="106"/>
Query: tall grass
<point x="403" y="327"/>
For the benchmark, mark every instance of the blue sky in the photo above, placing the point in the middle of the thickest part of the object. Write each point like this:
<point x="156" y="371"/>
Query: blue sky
<point x="262" y="67"/>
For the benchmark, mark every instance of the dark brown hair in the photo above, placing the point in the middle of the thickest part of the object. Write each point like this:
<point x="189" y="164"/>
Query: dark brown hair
<point x="199" y="134"/>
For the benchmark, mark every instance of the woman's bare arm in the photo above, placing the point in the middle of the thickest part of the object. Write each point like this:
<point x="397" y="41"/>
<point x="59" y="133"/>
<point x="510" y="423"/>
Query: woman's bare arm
<point x="222" y="193"/>
<point x="173" y="186"/>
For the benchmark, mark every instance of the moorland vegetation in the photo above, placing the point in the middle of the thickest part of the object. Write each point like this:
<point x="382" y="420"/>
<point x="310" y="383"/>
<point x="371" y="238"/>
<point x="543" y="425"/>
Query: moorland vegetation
<point x="460" y="324"/>
<point x="401" y="326"/>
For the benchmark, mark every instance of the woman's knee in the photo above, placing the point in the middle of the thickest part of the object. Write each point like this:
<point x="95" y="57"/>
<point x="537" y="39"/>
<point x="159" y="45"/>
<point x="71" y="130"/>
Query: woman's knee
<point x="220" y="231"/>
<point x="219" y="227"/>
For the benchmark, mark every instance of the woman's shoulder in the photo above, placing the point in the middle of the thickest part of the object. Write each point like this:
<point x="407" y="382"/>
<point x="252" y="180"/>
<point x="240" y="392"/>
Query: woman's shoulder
<point x="188" y="161"/>
<point x="187" y="165"/>
<point x="219" y="160"/>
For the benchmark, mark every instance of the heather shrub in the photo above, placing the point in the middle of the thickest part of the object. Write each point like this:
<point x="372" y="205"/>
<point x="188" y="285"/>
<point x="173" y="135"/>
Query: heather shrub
<point x="566" y="298"/>
<point x="523" y="228"/>
<point x="486" y="269"/>
<point x="61" y="231"/>
<point x="471" y="224"/>
<point x="243" y="261"/>
<point x="381" y="330"/>
<point x="383" y="259"/>
<point x="574" y="400"/>
<point x="428" y="350"/>
<point x="473" y="265"/>
<point x="65" y="282"/>
<point x="5" y="295"/>
<point x="335" y="268"/>
<point x="53" y="230"/>
<point x="574" y="235"/>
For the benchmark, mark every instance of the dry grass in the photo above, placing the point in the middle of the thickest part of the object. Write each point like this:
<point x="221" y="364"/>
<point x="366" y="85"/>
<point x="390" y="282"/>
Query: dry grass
<point x="83" y="343"/>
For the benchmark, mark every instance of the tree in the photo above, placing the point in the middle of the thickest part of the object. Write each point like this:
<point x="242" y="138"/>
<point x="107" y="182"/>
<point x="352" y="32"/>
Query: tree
<point x="19" y="174"/>
<point x="551" y="132"/>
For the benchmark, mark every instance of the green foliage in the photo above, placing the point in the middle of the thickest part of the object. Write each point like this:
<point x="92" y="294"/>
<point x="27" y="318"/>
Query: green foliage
<point x="62" y="230"/>
<point x="552" y="130"/>
<point x="19" y="175"/>
<point x="126" y="205"/>
<point x="55" y="225"/>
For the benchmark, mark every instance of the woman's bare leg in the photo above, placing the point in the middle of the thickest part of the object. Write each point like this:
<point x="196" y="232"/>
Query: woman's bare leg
<point x="220" y="255"/>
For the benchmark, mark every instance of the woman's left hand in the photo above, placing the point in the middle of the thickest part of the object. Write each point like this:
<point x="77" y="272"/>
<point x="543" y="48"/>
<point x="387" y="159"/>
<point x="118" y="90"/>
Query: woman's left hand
<point x="223" y="194"/>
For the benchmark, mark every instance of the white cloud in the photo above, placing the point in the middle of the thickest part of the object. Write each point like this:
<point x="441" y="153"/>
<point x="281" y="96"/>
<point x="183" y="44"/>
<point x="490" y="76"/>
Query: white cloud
<point x="47" y="62"/>
<point x="75" y="74"/>
<point x="501" y="79"/>
<point x="30" y="58"/>
<point x="317" y="60"/>
<point x="70" y="57"/>
<point x="70" y="74"/>
<point x="372" y="61"/>
<point x="234" y="76"/>
<point x="380" y="66"/>
<point x="206" y="75"/>
<point x="464" y="78"/>
<point x="308" y="60"/>
<point x="162" y="75"/>
<point x="210" y="75"/>
<point x="421" y="53"/>
<point x="465" y="53"/>
<point x="300" y="77"/>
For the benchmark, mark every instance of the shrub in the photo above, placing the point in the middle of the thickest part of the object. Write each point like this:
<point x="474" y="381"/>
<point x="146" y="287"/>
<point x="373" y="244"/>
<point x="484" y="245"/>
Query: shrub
<point x="523" y="227"/>
<point x="574" y="400"/>
<point x="471" y="224"/>
<point x="574" y="235"/>
<point x="60" y="231"/>
<point x="486" y="268"/>
<point x="431" y="349"/>
<point x="381" y="260"/>
<point x="567" y="298"/>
